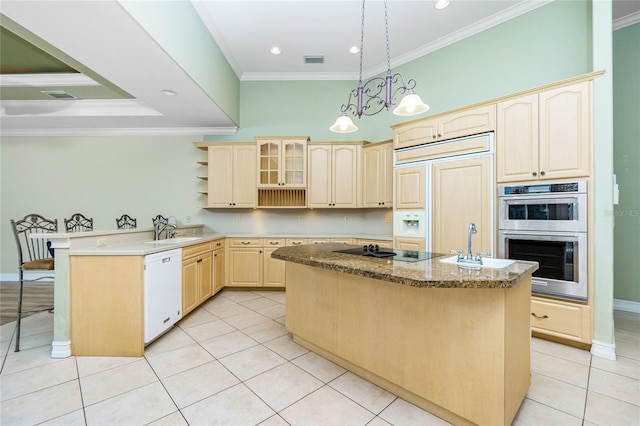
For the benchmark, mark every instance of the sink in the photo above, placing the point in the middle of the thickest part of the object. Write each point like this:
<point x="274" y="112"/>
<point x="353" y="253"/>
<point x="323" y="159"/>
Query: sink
<point x="487" y="262"/>
<point x="178" y="240"/>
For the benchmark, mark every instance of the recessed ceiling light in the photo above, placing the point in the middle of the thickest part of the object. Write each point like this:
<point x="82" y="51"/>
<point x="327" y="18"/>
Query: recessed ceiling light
<point x="168" y="92"/>
<point x="441" y="4"/>
<point x="354" y="49"/>
<point x="275" y="50"/>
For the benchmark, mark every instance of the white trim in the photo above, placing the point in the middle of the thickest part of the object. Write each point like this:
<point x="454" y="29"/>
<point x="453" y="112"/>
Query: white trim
<point x="61" y="349"/>
<point x="29" y="279"/>
<point x="626" y="21"/>
<point x="603" y="350"/>
<point x="48" y="80"/>
<point x="151" y="131"/>
<point x="626" y="305"/>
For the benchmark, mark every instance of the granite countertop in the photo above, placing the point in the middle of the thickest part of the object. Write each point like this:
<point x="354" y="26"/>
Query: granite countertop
<point x="426" y="273"/>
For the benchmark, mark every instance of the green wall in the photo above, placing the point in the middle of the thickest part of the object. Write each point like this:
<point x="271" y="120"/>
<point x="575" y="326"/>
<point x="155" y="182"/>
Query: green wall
<point x="548" y="44"/>
<point x="626" y="161"/>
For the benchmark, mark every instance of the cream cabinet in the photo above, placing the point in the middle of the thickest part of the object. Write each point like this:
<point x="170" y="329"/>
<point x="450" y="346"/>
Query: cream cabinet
<point x="197" y="275"/>
<point x="282" y="162"/>
<point x="245" y="262"/>
<point x="219" y="266"/>
<point x="559" y="319"/>
<point x="273" y="274"/>
<point x="380" y="243"/>
<point x="333" y="172"/>
<point x="446" y="126"/>
<point x="231" y="176"/>
<point x="545" y="135"/>
<point x="410" y="193"/>
<point x="377" y="175"/>
<point x="409" y="243"/>
<point x="462" y="195"/>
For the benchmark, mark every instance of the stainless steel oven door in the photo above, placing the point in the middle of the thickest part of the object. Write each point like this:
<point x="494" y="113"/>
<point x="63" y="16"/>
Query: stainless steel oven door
<point x="562" y="259"/>
<point x="561" y="213"/>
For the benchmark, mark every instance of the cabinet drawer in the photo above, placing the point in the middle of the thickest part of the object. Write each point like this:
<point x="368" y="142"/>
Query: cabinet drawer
<point x="567" y="320"/>
<point x="217" y="244"/>
<point x="296" y="241"/>
<point x="342" y="240"/>
<point x="274" y="242"/>
<point x="245" y="242"/>
<point x="196" y="249"/>
<point x="319" y="240"/>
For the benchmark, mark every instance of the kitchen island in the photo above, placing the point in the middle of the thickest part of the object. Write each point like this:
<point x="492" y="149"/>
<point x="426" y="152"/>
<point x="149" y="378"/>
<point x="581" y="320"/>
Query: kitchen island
<point x="452" y="340"/>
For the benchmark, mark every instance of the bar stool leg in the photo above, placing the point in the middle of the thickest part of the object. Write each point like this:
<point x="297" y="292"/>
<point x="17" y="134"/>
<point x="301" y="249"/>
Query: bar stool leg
<point x="19" y="313"/>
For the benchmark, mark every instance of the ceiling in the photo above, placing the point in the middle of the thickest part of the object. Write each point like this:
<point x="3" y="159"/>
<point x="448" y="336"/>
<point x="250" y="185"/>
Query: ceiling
<point x="116" y="72"/>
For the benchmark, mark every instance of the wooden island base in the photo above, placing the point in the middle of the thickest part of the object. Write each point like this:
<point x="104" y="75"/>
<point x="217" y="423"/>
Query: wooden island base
<point x="462" y="354"/>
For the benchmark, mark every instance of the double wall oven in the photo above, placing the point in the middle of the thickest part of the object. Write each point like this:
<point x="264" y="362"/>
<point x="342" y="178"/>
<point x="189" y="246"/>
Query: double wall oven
<point x="547" y="223"/>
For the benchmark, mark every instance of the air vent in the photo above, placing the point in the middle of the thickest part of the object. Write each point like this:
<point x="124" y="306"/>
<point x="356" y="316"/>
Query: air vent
<point x="316" y="59"/>
<point x="58" y="94"/>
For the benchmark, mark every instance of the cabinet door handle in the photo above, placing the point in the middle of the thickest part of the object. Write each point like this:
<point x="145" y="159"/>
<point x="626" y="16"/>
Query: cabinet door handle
<point x="535" y="174"/>
<point x="296" y="243"/>
<point x="538" y="316"/>
<point x="273" y="243"/>
<point x="245" y="242"/>
<point x="542" y="173"/>
<point x="260" y="251"/>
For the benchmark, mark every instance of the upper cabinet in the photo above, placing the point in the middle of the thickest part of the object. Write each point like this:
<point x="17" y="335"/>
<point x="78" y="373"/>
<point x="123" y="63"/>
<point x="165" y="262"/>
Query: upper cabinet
<point x="282" y="162"/>
<point x="231" y="176"/>
<point x="545" y="135"/>
<point x="377" y="175"/>
<point x="447" y="126"/>
<point x="333" y="175"/>
<point x="410" y="190"/>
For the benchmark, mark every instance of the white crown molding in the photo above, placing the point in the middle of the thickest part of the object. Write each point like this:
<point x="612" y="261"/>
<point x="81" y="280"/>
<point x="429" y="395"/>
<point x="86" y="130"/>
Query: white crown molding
<point x="159" y="131"/>
<point x="297" y="76"/>
<point x="626" y="21"/>
<point x="46" y="80"/>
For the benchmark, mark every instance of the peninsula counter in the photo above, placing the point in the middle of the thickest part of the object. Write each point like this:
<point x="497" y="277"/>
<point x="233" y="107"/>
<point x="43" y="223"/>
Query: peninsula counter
<point x="454" y="341"/>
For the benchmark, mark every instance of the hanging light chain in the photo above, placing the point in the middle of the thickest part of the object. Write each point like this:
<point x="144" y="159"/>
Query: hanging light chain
<point x="361" y="41"/>
<point x="386" y="34"/>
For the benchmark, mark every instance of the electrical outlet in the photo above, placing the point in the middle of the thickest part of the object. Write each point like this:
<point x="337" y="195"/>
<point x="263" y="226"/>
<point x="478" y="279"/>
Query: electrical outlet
<point x="387" y="217"/>
<point x="346" y="218"/>
<point x="188" y="219"/>
<point x="181" y="233"/>
<point x="237" y="218"/>
<point x="301" y="218"/>
<point x="101" y="242"/>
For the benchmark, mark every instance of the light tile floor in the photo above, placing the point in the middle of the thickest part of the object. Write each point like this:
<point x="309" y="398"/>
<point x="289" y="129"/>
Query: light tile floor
<point x="232" y="362"/>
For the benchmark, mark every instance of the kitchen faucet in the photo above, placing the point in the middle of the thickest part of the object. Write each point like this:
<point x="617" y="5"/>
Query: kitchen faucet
<point x="160" y="226"/>
<point x="472" y="230"/>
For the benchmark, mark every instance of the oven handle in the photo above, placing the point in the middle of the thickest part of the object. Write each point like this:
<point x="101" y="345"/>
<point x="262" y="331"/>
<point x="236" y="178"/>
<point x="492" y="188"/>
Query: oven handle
<point x="537" y="235"/>
<point x="537" y="200"/>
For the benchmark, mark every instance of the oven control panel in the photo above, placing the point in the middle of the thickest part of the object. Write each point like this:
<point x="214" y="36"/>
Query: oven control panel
<point x="546" y="188"/>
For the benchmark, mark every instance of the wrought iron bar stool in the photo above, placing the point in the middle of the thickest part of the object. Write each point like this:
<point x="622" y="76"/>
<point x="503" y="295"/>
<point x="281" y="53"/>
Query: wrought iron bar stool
<point x="33" y="254"/>
<point x="126" y="222"/>
<point x="78" y="223"/>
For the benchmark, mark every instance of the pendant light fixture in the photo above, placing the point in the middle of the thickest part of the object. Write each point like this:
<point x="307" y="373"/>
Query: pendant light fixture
<point x="368" y="96"/>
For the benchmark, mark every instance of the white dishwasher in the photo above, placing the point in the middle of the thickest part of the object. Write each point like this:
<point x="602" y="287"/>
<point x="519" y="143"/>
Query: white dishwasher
<point x="162" y="292"/>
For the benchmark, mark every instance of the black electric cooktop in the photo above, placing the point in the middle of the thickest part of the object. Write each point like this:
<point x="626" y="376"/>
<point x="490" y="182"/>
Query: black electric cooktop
<point x="396" y="254"/>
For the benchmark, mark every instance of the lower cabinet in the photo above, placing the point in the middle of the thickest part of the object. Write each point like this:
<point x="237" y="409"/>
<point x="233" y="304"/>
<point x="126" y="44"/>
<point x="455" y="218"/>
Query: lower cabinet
<point x="273" y="274"/>
<point x="197" y="276"/>
<point x="409" y="243"/>
<point x="245" y="262"/>
<point x="564" y="320"/>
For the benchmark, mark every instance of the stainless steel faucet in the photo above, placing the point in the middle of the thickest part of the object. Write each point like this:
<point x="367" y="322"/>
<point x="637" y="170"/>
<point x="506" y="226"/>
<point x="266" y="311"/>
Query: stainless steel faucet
<point x="159" y="227"/>
<point x="472" y="230"/>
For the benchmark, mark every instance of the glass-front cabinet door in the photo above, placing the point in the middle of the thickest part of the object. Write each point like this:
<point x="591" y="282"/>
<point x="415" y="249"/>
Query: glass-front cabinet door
<point x="282" y="163"/>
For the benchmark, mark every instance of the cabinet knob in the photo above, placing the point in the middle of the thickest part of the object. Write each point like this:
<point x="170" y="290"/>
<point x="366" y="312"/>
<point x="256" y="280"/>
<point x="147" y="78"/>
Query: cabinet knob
<point x="439" y="135"/>
<point x="434" y="136"/>
<point x="535" y="174"/>
<point x="542" y="173"/>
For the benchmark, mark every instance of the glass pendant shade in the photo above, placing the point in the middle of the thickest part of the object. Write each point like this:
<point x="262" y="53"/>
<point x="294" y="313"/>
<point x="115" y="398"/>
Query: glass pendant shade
<point x="343" y="125"/>
<point x="411" y="104"/>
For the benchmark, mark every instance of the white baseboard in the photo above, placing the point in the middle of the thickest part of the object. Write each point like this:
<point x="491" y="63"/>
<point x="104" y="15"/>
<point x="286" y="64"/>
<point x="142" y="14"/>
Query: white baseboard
<point x="603" y="350"/>
<point x="626" y="305"/>
<point x="61" y="349"/>
<point x="28" y="277"/>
